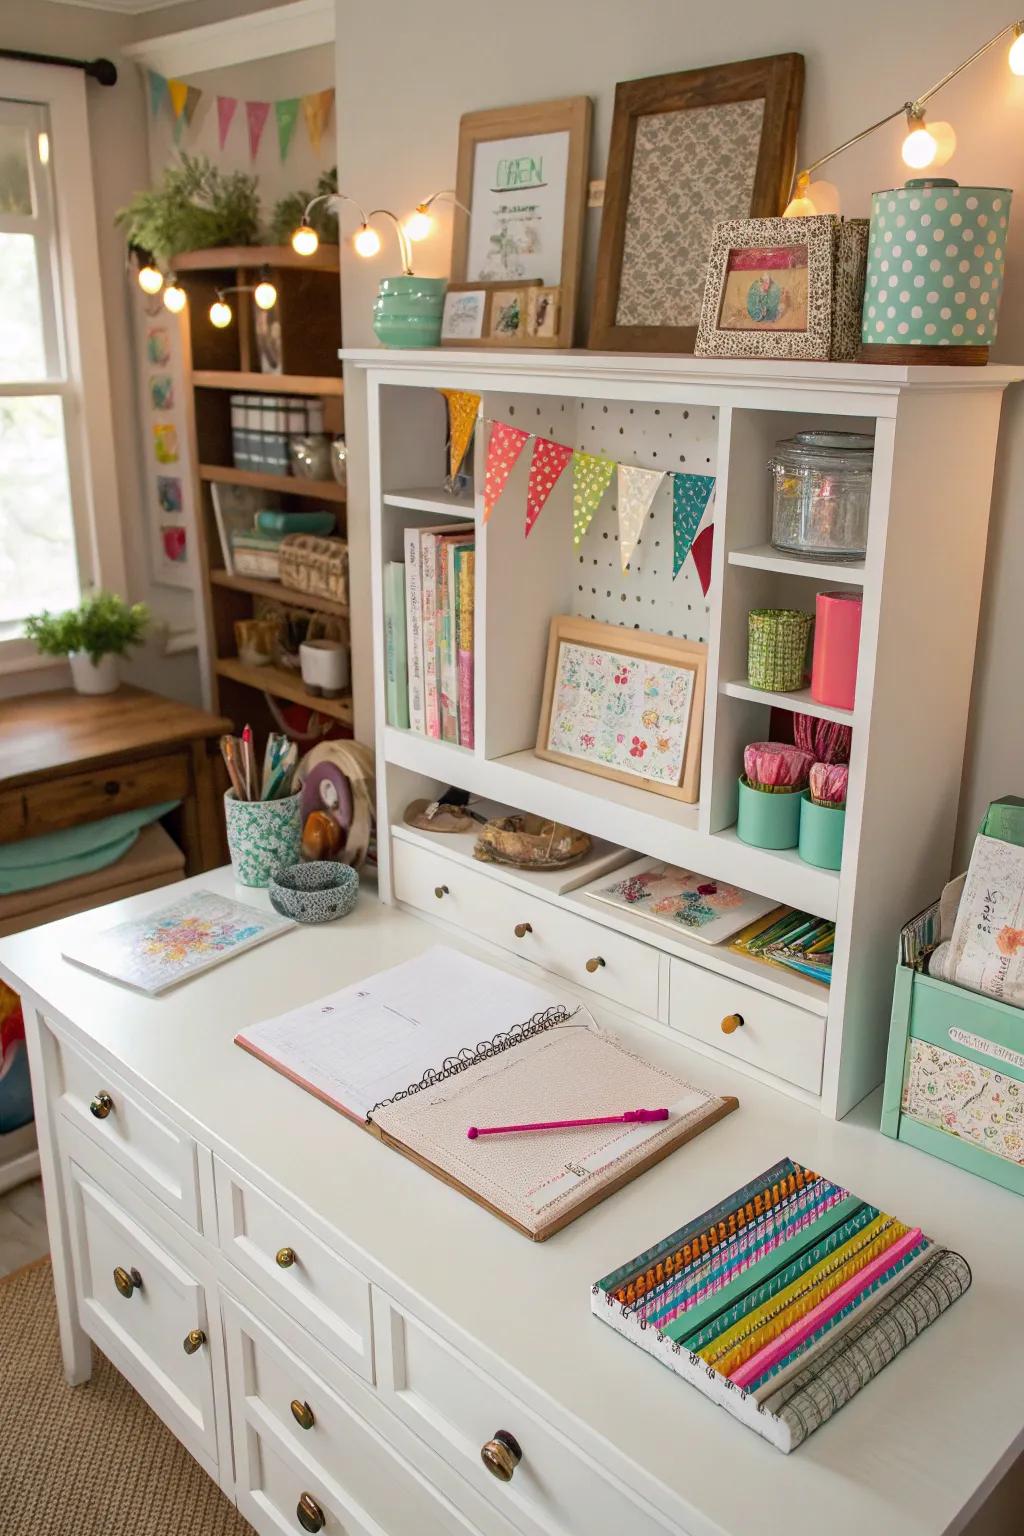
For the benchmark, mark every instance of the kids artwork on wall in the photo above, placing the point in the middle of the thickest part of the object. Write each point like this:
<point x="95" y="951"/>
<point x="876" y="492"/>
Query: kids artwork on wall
<point x="167" y="505"/>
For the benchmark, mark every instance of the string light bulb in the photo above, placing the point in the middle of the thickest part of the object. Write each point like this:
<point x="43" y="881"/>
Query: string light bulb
<point x="919" y="146"/>
<point x="419" y="224"/>
<point x="945" y="142"/>
<point x="175" y="297"/>
<point x="151" y="279"/>
<point x="220" y="313"/>
<point x="264" y="294"/>
<point x="1015" y="58"/>
<point x="801" y="206"/>
<point x="305" y="240"/>
<point x="366" y="241"/>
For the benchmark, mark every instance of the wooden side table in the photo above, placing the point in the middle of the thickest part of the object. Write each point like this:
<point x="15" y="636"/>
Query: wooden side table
<point x="68" y="758"/>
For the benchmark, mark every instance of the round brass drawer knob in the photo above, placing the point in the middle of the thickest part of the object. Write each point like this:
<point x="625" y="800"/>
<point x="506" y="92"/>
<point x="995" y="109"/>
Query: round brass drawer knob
<point x="302" y="1413"/>
<point x="731" y="1023"/>
<point x="440" y="891"/>
<point x="285" y="1257"/>
<point x="311" y="1516"/>
<point x="595" y="964"/>
<point x="128" y="1281"/>
<point x="501" y="1455"/>
<point x="101" y="1105"/>
<point x="194" y="1341"/>
<point x="522" y="929"/>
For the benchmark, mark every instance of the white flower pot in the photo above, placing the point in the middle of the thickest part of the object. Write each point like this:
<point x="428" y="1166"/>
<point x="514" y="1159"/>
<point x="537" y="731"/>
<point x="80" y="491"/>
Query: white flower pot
<point x="94" y="677"/>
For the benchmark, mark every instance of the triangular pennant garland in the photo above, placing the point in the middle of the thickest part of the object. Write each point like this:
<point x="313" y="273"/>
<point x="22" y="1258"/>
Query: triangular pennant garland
<point x="591" y="477"/>
<point x="503" y="449"/>
<point x="177" y="90"/>
<point x="316" y="109"/>
<point x="463" y="410"/>
<point x="157" y="91"/>
<point x="227" y="106"/>
<point x="256" y="116"/>
<point x="549" y="459"/>
<point x="690" y="496"/>
<point x="637" y="489"/>
<point x="701" y="551"/>
<point x="287" y="114"/>
<point x="192" y="96"/>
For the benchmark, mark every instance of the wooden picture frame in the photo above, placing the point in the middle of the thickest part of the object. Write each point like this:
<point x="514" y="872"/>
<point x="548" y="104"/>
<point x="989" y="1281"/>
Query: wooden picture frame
<point x="485" y="132"/>
<point x="769" y="290"/>
<point x="681" y="655"/>
<point x="485" y="339"/>
<point x="671" y="176"/>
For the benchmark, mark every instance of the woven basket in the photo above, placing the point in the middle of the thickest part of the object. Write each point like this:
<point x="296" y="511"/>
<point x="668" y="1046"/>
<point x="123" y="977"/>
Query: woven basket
<point x="315" y="565"/>
<point x="777" y="648"/>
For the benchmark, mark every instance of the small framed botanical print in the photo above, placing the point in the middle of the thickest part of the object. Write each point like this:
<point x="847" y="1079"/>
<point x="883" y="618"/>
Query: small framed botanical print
<point x="488" y="314"/>
<point x="624" y="704"/>
<point x="464" y="313"/>
<point x="769" y="289"/>
<point x="542" y="314"/>
<point x="508" y="315"/>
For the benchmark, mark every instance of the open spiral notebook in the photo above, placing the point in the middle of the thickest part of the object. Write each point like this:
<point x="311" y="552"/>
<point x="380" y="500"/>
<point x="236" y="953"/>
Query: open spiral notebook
<point x="418" y="1053"/>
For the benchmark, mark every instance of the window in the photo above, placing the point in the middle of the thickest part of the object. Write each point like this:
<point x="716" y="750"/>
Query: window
<point x="56" y="463"/>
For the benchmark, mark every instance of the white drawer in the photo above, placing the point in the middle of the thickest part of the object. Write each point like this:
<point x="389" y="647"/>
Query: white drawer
<point x="143" y="1303"/>
<point x="118" y="1119"/>
<point x="775" y="1036"/>
<point x="555" y="1490"/>
<point x="585" y="953"/>
<point x="291" y="1266"/>
<point x="333" y="1456"/>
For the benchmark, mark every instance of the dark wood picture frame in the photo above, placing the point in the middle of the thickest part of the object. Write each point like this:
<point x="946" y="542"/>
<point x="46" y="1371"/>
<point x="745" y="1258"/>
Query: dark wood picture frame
<point x="571" y="115"/>
<point x="778" y="80"/>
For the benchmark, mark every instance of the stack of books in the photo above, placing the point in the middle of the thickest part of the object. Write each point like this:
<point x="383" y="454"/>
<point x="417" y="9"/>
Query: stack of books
<point x="429" y="633"/>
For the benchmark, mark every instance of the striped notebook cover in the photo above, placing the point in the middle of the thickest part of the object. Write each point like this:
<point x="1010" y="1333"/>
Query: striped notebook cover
<point x="784" y="1300"/>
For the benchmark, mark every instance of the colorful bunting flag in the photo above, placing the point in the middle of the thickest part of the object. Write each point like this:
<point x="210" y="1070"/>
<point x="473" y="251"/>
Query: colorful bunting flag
<point x="701" y="551"/>
<point x="192" y="97"/>
<point x="157" y="91"/>
<point x="591" y="477"/>
<point x="463" y="410"/>
<point x="503" y="449"/>
<point x="256" y="113"/>
<point x="690" y="496"/>
<point x="637" y="489"/>
<point x="549" y="459"/>
<point x="227" y="106"/>
<point x="287" y="114"/>
<point x="316" y="108"/>
<point x="177" y="90"/>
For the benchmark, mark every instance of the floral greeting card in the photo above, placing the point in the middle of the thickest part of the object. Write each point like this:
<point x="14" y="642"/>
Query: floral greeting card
<point x="621" y="712"/>
<point x="701" y="908"/>
<point x="196" y="932"/>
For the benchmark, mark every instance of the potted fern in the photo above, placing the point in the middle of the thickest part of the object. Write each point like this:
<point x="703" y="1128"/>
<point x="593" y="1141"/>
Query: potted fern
<point x="92" y="636"/>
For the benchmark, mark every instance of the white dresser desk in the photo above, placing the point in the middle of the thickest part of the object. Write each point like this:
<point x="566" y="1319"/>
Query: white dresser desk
<point x="413" y="1325"/>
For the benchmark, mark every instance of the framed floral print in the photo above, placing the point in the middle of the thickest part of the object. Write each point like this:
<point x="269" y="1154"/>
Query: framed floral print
<point x="624" y="704"/>
<point x="769" y="290"/>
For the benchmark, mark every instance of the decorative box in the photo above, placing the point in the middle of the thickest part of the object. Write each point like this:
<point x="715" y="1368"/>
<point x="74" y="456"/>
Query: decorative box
<point x="257" y="554"/>
<point x="315" y="565"/>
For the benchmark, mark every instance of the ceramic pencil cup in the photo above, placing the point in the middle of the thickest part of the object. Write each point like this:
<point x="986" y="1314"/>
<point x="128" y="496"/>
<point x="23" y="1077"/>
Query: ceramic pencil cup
<point x="821" y="833"/>
<point x="768" y="818"/>
<point x="264" y="836"/>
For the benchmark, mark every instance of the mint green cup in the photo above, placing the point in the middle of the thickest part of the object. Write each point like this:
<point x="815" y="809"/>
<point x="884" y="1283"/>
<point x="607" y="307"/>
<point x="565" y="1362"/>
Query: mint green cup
<point x="768" y="819"/>
<point x="821" y="832"/>
<point x="407" y="311"/>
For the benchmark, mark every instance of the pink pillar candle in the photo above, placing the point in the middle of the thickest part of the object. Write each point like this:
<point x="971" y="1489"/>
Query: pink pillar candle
<point x="836" y="643"/>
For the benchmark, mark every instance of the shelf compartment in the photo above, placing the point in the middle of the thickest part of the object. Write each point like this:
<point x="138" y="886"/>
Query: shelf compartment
<point x="799" y="702"/>
<point x="765" y="557"/>
<point x="280" y="594"/>
<point x="270" y="383"/>
<point x="430" y="498"/>
<point x="288" y="485"/>
<point x="283" y="685"/>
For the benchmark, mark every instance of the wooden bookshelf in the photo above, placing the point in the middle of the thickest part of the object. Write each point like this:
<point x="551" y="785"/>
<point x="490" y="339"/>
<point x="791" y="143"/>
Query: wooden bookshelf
<point x="271" y="383"/>
<point x="287" y="485"/>
<point x="281" y="594"/>
<point x="284" y="685"/>
<point x="252" y="257"/>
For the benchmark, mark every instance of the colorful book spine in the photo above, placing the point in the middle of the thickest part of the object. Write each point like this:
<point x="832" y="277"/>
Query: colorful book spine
<point x="395" y="650"/>
<point x="414" y="629"/>
<point x="428" y="588"/>
<point x="456" y="547"/>
<point x="447" y="667"/>
<point x="466" y="563"/>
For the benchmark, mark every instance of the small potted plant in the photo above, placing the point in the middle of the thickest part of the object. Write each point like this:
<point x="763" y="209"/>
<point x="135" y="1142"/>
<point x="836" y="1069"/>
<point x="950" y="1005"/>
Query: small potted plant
<point x="92" y="636"/>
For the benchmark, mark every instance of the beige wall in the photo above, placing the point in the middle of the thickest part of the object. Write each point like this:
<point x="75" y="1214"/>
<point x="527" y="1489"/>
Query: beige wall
<point x="399" y="126"/>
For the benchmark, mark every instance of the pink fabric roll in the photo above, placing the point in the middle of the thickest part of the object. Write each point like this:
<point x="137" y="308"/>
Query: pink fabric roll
<point x="836" y="643"/>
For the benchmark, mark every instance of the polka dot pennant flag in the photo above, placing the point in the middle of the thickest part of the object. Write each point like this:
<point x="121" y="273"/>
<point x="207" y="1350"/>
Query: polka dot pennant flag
<point x="637" y="489"/>
<point x="503" y="449"/>
<point x="690" y="496"/>
<point x="463" y="410"/>
<point x="591" y="477"/>
<point x="702" y="547"/>
<point x="549" y="459"/>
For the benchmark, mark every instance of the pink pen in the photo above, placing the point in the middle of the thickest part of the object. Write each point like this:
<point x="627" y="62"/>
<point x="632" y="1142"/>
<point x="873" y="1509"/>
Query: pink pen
<point x="640" y="1116"/>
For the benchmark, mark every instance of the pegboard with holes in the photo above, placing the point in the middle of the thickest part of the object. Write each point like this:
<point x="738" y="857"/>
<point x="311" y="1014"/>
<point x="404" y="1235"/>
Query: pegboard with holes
<point x="669" y="437"/>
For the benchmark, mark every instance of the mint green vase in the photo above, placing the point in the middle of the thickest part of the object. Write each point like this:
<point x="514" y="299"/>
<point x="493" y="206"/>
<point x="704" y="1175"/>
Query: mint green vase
<point x="407" y="311"/>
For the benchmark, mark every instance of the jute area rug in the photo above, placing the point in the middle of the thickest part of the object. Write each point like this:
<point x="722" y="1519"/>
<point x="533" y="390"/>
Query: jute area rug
<point x="90" y="1460"/>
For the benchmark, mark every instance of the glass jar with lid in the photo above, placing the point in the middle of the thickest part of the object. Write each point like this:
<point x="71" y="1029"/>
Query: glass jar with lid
<point x="821" y="487"/>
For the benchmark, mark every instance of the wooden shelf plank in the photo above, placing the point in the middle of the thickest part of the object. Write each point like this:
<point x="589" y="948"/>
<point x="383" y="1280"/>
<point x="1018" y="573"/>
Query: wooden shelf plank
<point x="272" y="383"/>
<point x="288" y="485"/>
<point x="283" y="685"/>
<point x="324" y="258"/>
<point x="431" y="498"/>
<point x="765" y="557"/>
<point x="279" y="593"/>
<point x="800" y="702"/>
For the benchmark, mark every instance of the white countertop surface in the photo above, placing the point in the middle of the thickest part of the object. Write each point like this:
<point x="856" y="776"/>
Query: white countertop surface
<point x="913" y="1454"/>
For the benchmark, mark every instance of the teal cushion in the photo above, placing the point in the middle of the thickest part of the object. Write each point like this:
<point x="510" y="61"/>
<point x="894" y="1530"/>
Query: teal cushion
<point x="38" y="861"/>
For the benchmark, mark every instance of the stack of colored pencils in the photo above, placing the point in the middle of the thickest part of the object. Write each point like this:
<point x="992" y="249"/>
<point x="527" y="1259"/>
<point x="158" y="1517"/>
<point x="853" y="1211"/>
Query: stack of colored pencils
<point x="279" y="763"/>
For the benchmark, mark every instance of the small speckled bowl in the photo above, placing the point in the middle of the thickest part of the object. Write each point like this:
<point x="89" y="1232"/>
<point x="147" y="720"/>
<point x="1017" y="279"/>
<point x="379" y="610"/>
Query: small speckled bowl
<point x="314" y="893"/>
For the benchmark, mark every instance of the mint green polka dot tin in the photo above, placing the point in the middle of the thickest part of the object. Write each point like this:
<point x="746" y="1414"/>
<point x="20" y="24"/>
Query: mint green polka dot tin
<point x="936" y="259"/>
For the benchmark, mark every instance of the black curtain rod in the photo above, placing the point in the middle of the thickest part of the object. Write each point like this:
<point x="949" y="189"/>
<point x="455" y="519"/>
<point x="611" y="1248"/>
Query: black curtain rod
<point x="100" y="70"/>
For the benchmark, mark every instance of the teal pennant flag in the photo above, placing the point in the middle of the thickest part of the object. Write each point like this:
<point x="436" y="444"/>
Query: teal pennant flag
<point x="287" y="113"/>
<point x="690" y="496"/>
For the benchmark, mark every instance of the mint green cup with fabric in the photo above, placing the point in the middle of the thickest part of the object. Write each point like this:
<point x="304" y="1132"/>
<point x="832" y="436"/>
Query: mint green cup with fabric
<point x="768" y="818"/>
<point x="407" y="311"/>
<point x="264" y="837"/>
<point x="821" y="833"/>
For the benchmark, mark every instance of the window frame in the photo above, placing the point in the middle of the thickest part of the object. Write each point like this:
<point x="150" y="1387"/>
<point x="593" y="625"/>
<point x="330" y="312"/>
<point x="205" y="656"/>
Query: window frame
<point x="82" y="382"/>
